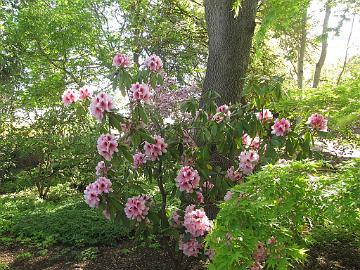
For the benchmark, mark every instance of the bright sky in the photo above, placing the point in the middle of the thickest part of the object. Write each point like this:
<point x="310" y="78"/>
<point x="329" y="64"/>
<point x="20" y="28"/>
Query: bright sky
<point x="337" y="44"/>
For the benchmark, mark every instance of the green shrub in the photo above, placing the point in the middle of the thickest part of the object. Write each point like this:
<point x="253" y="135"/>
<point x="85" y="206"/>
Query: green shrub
<point x="288" y="203"/>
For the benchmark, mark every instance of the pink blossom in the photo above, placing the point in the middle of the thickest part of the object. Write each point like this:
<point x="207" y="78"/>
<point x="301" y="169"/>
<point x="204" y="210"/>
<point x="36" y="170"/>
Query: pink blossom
<point x="233" y="175"/>
<point x="175" y="220"/>
<point x="140" y="92"/>
<point x="228" y="195"/>
<point x="139" y="159"/>
<point x="317" y="121"/>
<point x="256" y="266"/>
<point x="153" y="151"/>
<point x="69" y="97"/>
<point x="251" y="142"/>
<point x="264" y="116"/>
<point x="107" y="146"/>
<point x="154" y="63"/>
<point x="207" y="185"/>
<point x="137" y="208"/>
<point x="281" y="127"/>
<point x="260" y="253"/>
<point x="210" y="253"/>
<point x="104" y="185"/>
<point x="85" y="92"/>
<point x="272" y="240"/>
<point x="121" y="60"/>
<point x="224" y="109"/>
<point x="187" y="179"/>
<point x="101" y="168"/>
<point x="100" y="104"/>
<point x="91" y="195"/>
<point x="196" y="222"/>
<point x="191" y="247"/>
<point x="248" y="160"/>
<point x="199" y="197"/>
<point x="125" y="127"/>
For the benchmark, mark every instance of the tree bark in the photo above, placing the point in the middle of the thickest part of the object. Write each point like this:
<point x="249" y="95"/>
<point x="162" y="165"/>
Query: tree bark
<point x="347" y="51"/>
<point x="324" y="46"/>
<point x="230" y="40"/>
<point x="301" y="52"/>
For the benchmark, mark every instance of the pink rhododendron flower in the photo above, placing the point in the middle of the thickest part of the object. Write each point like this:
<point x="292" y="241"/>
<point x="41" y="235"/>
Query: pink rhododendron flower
<point x="224" y="109"/>
<point x="175" y="220"/>
<point x="228" y="195"/>
<point x="233" y="175"/>
<point x="121" y="60"/>
<point x="317" y="121"/>
<point x="140" y="92"/>
<point x="191" y="247"/>
<point x="137" y="207"/>
<point x="153" y="151"/>
<point x="251" y="142"/>
<point x="69" y="97"/>
<point x="154" y="63"/>
<point x="260" y="253"/>
<point x="188" y="179"/>
<point x="100" y="104"/>
<point x="125" y="127"/>
<point x="264" y="116"/>
<point x="107" y="146"/>
<point x="85" y="92"/>
<point x="196" y="222"/>
<point x="91" y="195"/>
<point x="272" y="240"/>
<point x="256" y="266"/>
<point x="281" y="127"/>
<point x="139" y="160"/>
<point x="199" y="197"/>
<point x="101" y="168"/>
<point x="210" y="253"/>
<point x="207" y="185"/>
<point x="104" y="185"/>
<point x="248" y="161"/>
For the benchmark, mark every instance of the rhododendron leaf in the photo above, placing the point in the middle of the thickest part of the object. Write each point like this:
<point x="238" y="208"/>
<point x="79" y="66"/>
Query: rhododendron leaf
<point x="160" y="79"/>
<point x="143" y="114"/>
<point x="146" y="136"/>
<point x="115" y="120"/>
<point x="153" y="80"/>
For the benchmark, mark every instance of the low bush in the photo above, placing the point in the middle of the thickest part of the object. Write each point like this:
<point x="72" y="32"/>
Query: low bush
<point x="270" y="219"/>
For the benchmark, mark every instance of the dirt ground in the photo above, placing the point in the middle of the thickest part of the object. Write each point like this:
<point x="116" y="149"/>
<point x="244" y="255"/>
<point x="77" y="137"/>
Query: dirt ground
<point x="338" y="256"/>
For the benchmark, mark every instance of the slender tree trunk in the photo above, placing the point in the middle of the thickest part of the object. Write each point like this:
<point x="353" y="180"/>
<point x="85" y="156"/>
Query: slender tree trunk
<point x="230" y="40"/>
<point x="347" y="51"/>
<point x="301" y="52"/>
<point x="324" y="46"/>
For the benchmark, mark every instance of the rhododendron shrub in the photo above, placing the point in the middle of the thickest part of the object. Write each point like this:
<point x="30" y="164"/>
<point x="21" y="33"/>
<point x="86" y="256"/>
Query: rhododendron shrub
<point x="195" y="157"/>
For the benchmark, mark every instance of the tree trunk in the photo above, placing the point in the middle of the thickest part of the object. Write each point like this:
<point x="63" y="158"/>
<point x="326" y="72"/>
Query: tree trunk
<point x="324" y="46"/>
<point x="230" y="40"/>
<point x="347" y="51"/>
<point x="301" y="52"/>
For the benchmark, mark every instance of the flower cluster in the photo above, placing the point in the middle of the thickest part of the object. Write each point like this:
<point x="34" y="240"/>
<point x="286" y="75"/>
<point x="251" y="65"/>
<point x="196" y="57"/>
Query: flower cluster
<point x="107" y="146"/>
<point x="196" y="222"/>
<point x="101" y="168"/>
<point x="253" y="143"/>
<point x="259" y="256"/>
<point x="191" y="247"/>
<point x="228" y="195"/>
<point x="154" y="150"/>
<point x="233" y="175"/>
<point x="222" y="112"/>
<point x="175" y="220"/>
<point x="207" y="185"/>
<point x="100" y="104"/>
<point x="69" y="97"/>
<point x="121" y="60"/>
<point x="281" y="127"/>
<point x="154" y="63"/>
<point x="85" y="92"/>
<point x="139" y="160"/>
<point x="317" y="121"/>
<point x="140" y="92"/>
<point x="199" y="197"/>
<point x="95" y="189"/>
<point x="137" y="207"/>
<point x="264" y="116"/>
<point x="188" y="179"/>
<point x="248" y="160"/>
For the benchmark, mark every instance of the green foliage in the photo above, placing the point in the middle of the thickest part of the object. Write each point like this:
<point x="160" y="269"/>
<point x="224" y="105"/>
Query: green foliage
<point x="67" y="221"/>
<point x="288" y="202"/>
<point x="340" y="104"/>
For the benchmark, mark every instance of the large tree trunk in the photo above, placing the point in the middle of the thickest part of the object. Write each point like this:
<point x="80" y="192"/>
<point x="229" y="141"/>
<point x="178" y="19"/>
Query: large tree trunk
<point x="230" y="39"/>
<point x="301" y="52"/>
<point x="324" y="46"/>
